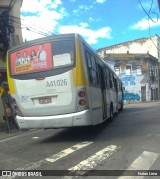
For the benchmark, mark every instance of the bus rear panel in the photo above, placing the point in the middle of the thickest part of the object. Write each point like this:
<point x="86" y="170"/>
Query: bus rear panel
<point x="60" y="81"/>
<point x="46" y="90"/>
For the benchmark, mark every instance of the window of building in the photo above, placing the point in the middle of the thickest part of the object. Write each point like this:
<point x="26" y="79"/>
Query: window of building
<point x="128" y="69"/>
<point x="153" y="71"/>
<point x="156" y="73"/>
<point x="139" y="70"/>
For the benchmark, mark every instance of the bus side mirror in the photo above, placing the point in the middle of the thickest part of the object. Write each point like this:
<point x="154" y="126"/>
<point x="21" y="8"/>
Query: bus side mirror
<point x="123" y="88"/>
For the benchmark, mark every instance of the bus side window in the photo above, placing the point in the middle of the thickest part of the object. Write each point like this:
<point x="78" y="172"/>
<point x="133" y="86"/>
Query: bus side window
<point x="92" y="68"/>
<point x="110" y="80"/>
<point x="107" y="78"/>
<point x="89" y="67"/>
<point x="88" y="60"/>
<point x="120" y="88"/>
<point x="93" y="62"/>
<point x="118" y="85"/>
<point x="115" y="84"/>
<point x="113" y="87"/>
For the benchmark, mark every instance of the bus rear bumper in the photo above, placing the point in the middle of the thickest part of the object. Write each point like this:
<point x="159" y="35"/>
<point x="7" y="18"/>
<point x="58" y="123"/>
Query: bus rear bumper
<point x="81" y="118"/>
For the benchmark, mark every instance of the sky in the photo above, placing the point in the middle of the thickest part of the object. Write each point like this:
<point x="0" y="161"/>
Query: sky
<point x="101" y="23"/>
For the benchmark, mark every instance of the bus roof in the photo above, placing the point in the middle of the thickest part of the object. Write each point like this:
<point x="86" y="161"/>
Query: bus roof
<point x="45" y="39"/>
<point x="56" y="37"/>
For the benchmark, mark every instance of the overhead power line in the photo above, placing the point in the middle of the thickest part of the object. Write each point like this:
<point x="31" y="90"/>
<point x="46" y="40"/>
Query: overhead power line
<point x="148" y="14"/>
<point x="27" y="27"/>
<point x="31" y="26"/>
<point x="35" y="25"/>
<point x="149" y="18"/>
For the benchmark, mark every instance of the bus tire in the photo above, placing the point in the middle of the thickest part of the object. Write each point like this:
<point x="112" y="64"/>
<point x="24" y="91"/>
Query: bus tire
<point x="121" y="109"/>
<point x="111" y="114"/>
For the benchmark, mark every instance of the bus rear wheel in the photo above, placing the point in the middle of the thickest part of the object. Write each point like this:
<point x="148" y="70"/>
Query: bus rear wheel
<point x="111" y="114"/>
<point x="121" y="109"/>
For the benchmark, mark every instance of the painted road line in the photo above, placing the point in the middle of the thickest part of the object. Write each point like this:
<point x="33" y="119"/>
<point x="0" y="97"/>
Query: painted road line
<point x="55" y="157"/>
<point x="143" y="162"/>
<point x="68" y="151"/>
<point x="93" y="161"/>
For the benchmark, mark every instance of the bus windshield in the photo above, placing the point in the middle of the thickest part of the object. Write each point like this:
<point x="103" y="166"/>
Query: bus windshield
<point x="42" y="57"/>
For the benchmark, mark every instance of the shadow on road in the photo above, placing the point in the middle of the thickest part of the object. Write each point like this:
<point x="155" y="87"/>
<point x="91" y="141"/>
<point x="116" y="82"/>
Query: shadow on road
<point x="77" y="134"/>
<point x="131" y="122"/>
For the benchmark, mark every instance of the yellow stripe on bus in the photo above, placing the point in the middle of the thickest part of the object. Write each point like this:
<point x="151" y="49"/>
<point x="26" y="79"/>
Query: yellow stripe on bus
<point x="79" y="77"/>
<point x="10" y="80"/>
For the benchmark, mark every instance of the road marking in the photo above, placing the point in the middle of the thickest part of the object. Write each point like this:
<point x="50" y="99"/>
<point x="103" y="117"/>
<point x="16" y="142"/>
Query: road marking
<point x="55" y="157"/>
<point x="143" y="162"/>
<point x="35" y="137"/>
<point x="68" y="151"/>
<point x="92" y="161"/>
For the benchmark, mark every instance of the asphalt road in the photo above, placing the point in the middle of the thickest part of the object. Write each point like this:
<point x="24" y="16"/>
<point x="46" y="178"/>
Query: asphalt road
<point x="130" y="142"/>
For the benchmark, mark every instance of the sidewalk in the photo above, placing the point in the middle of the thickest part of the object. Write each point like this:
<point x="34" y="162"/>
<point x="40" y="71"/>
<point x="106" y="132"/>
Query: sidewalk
<point x="139" y="102"/>
<point x="14" y="132"/>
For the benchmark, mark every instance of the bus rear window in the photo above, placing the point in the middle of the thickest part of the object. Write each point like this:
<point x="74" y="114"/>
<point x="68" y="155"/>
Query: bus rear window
<point x="63" y="53"/>
<point x="42" y="57"/>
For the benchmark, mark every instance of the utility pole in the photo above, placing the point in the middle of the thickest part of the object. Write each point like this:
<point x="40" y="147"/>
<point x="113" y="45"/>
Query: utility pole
<point x="4" y="18"/>
<point x="5" y="30"/>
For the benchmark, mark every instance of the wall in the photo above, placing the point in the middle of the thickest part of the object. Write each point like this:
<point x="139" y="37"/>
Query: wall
<point x="132" y="84"/>
<point x="143" y="45"/>
<point x="135" y="82"/>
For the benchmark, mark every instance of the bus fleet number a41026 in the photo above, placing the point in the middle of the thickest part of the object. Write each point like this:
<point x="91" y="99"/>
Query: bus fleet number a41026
<point x="56" y="83"/>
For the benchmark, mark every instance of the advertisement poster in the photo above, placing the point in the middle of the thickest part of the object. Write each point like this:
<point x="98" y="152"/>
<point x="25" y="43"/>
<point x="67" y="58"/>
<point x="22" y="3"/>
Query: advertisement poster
<point x="31" y="59"/>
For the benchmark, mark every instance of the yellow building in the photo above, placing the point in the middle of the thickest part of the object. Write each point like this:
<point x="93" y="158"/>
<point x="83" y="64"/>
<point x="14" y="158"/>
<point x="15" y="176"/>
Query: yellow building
<point x="10" y="35"/>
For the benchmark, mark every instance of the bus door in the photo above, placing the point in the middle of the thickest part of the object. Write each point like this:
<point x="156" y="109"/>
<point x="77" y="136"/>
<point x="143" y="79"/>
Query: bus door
<point x="103" y="87"/>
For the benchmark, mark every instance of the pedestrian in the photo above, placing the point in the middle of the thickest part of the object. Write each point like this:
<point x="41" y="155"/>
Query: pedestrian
<point x="10" y="117"/>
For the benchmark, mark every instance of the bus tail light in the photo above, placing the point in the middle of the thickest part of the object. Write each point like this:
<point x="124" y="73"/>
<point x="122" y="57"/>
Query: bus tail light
<point x="82" y="102"/>
<point x="81" y="94"/>
<point x="82" y="99"/>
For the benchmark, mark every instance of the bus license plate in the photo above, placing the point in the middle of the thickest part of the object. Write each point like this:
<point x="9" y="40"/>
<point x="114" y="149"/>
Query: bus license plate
<point x="45" y="100"/>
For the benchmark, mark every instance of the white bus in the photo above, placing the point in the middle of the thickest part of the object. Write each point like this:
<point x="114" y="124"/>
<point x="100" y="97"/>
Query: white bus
<point x="59" y="81"/>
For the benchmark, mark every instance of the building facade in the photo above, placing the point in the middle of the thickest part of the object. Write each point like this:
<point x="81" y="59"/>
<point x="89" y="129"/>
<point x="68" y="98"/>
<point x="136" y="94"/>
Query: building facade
<point x="138" y="46"/>
<point x="10" y="35"/>
<point x="139" y="73"/>
<point x="142" y="46"/>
